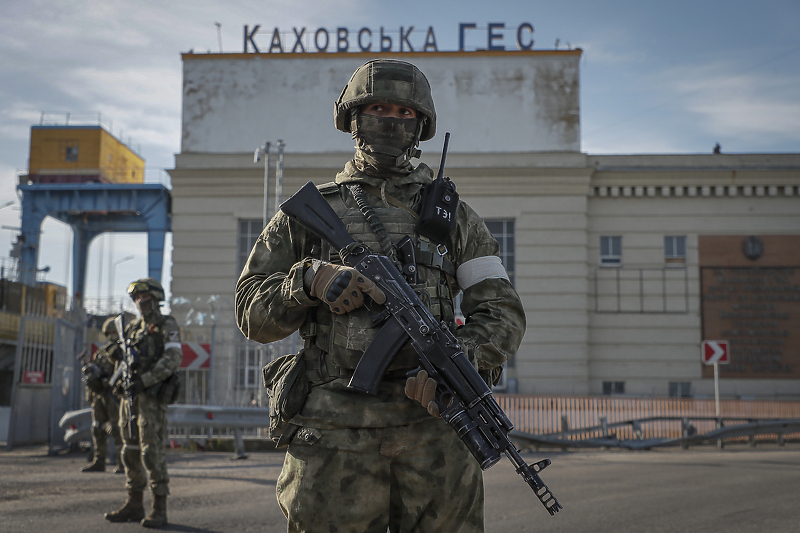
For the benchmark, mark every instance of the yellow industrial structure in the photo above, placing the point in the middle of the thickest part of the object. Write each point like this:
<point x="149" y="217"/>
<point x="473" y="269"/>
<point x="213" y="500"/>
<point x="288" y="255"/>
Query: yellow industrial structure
<point x="81" y="154"/>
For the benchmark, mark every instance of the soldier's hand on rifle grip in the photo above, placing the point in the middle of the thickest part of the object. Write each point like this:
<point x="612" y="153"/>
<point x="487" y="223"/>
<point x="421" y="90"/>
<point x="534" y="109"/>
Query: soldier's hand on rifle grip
<point x="342" y="288"/>
<point x="423" y="389"/>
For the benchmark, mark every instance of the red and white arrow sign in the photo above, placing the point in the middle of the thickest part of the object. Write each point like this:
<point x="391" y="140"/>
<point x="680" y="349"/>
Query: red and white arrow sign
<point x="715" y="352"/>
<point x="195" y="356"/>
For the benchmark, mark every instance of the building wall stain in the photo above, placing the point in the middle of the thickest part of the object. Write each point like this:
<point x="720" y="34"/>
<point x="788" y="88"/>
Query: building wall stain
<point x="555" y="90"/>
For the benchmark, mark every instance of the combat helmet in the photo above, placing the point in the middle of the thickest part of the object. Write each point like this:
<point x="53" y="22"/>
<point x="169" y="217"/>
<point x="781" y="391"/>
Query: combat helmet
<point x="390" y="81"/>
<point x="148" y="285"/>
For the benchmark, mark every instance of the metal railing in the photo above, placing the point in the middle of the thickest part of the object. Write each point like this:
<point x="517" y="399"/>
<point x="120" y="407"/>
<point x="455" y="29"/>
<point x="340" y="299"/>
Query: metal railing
<point x="568" y="421"/>
<point x="641" y="290"/>
<point x="575" y="418"/>
<point x="191" y="420"/>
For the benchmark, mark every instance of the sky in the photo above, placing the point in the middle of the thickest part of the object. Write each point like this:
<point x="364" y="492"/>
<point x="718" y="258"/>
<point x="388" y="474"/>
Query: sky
<point x="656" y="77"/>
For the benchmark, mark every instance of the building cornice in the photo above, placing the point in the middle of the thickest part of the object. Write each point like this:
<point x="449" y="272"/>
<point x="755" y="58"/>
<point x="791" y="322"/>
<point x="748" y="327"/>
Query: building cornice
<point x="190" y="56"/>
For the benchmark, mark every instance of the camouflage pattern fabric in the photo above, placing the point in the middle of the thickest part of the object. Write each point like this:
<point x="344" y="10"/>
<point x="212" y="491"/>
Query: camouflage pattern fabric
<point x="158" y="343"/>
<point x="367" y="463"/>
<point x="338" y="480"/>
<point x="105" y="408"/>
<point x="145" y="457"/>
<point x="387" y="80"/>
<point x="351" y="428"/>
<point x="105" y="415"/>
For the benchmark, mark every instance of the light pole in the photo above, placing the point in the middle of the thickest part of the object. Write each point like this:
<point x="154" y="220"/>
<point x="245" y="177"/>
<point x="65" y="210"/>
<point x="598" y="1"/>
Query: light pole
<point x="264" y="150"/>
<point x="279" y="176"/>
<point x="113" y="271"/>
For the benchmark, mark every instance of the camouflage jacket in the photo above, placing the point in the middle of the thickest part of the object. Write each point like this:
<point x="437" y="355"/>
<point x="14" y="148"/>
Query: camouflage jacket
<point x="159" y="348"/>
<point x="106" y="359"/>
<point x="107" y="356"/>
<point x="271" y="304"/>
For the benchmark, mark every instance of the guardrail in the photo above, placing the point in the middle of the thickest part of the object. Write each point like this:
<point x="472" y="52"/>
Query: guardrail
<point x="591" y="421"/>
<point x="605" y="436"/>
<point x="78" y="424"/>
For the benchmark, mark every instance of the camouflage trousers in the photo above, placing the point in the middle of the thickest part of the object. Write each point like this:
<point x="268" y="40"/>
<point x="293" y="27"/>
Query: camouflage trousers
<point x="144" y="456"/>
<point x="105" y="413"/>
<point x="415" y="478"/>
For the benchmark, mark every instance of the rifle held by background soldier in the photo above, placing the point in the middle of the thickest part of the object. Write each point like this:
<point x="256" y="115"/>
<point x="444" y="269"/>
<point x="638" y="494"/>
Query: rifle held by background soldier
<point x="128" y="366"/>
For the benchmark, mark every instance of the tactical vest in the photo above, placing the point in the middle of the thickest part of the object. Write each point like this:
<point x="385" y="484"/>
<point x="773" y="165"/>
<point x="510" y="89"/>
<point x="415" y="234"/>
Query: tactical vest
<point x="340" y="340"/>
<point x="148" y="341"/>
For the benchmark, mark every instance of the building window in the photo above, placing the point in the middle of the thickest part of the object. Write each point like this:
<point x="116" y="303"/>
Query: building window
<point x="611" y="250"/>
<point x="611" y="388"/>
<point x="680" y="389"/>
<point x="249" y="230"/>
<point x="675" y="249"/>
<point x="71" y="153"/>
<point x="248" y="365"/>
<point x="503" y="231"/>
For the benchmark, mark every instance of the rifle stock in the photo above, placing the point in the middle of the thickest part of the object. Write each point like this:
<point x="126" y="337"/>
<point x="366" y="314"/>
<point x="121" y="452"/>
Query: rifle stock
<point x="465" y="400"/>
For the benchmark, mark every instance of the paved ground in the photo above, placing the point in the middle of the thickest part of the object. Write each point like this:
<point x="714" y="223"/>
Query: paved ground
<point x="735" y="490"/>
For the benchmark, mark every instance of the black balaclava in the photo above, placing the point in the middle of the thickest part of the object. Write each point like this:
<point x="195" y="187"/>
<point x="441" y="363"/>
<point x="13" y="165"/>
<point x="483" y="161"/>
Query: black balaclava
<point x="385" y="144"/>
<point x="149" y="309"/>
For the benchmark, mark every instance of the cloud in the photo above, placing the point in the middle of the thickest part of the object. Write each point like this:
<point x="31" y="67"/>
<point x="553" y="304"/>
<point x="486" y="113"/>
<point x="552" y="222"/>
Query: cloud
<point x="16" y="120"/>
<point x="749" y="105"/>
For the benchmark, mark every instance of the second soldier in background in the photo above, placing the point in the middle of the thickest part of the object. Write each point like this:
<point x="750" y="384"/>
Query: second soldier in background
<point x="155" y="340"/>
<point x="104" y="405"/>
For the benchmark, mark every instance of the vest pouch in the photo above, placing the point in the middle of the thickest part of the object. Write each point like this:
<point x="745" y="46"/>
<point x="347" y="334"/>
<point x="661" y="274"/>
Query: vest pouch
<point x="287" y="386"/>
<point x="170" y="389"/>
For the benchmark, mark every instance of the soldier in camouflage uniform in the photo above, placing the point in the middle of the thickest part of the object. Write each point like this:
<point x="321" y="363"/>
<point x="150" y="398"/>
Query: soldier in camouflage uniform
<point x="105" y="407"/>
<point x="357" y="462"/>
<point x="157" y="341"/>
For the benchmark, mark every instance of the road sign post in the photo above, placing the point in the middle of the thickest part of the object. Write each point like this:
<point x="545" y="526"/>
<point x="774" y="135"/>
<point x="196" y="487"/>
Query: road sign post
<point x="715" y="353"/>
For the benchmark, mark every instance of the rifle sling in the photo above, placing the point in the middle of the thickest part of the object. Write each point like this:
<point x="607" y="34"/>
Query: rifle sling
<point x="380" y="193"/>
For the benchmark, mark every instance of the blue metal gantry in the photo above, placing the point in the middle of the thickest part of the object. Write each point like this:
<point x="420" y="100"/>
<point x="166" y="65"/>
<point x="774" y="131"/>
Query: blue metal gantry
<point x="91" y="209"/>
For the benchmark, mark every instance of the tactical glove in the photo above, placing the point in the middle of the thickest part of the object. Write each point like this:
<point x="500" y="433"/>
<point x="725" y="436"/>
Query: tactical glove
<point x="342" y="287"/>
<point x="423" y="389"/>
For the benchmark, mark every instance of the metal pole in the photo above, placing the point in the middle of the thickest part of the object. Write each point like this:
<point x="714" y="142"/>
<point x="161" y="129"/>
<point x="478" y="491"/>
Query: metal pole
<point x="279" y="176"/>
<point x="212" y="356"/>
<point x="716" y="401"/>
<point x="264" y="150"/>
<point x="716" y="390"/>
<point x="266" y="183"/>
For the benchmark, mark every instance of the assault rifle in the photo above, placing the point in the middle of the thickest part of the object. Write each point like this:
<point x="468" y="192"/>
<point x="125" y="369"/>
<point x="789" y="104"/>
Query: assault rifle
<point x="464" y="399"/>
<point x="93" y="375"/>
<point x="128" y="365"/>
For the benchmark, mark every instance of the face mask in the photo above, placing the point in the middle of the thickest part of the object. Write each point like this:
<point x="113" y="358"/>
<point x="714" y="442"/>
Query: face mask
<point x="386" y="144"/>
<point x="147" y="307"/>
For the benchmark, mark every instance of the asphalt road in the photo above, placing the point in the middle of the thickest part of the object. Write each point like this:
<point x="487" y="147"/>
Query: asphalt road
<point x="735" y="490"/>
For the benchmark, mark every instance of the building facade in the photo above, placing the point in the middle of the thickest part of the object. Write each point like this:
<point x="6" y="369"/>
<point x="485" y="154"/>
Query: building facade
<point x="620" y="260"/>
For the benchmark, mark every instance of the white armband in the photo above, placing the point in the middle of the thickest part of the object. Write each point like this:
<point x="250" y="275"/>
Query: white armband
<point x="478" y="269"/>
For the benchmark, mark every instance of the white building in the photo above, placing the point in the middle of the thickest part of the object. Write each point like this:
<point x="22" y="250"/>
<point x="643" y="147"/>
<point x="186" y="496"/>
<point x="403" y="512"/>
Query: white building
<point x="607" y="252"/>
